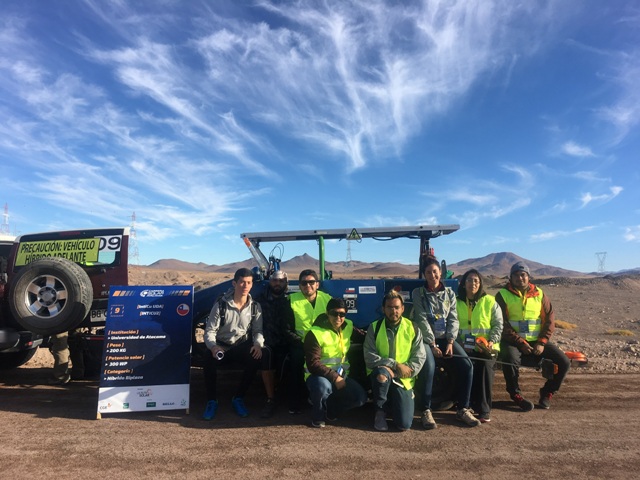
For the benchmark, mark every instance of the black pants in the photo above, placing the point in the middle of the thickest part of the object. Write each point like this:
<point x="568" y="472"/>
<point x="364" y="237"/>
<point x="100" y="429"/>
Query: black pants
<point x="484" y="372"/>
<point x="238" y="354"/>
<point x="511" y="354"/>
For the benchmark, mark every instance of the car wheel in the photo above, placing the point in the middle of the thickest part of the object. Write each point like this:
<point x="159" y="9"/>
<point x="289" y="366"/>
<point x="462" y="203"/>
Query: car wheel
<point x="50" y="296"/>
<point x="16" y="359"/>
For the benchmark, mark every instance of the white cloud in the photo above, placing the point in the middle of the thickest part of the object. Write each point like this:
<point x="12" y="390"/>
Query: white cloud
<point x="588" y="198"/>
<point x="541" y="237"/>
<point x="575" y="150"/>
<point x="632" y="234"/>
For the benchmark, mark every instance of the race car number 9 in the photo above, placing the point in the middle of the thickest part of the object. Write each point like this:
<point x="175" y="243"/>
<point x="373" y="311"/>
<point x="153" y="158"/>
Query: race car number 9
<point x="110" y="244"/>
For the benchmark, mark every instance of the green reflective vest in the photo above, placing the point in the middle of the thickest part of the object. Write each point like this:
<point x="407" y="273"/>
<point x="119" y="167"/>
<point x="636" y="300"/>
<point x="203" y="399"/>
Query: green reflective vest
<point x="404" y="340"/>
<point x="476" y="322"/>
<point x="334" y="345"/>
<point x="524" y="313"/>
<point x="305" y="313"/>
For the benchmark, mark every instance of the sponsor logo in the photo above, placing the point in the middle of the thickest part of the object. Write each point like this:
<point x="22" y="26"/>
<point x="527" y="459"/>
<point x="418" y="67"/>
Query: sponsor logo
<point x="168" y="404"/>
<point x="151" y="404"/>
<point x="158" y="306"/>
<point x="152" y="293"/>
<point x="144" y="393"/>
<point x="183" y="309"/>
<point x="125" y="406"/>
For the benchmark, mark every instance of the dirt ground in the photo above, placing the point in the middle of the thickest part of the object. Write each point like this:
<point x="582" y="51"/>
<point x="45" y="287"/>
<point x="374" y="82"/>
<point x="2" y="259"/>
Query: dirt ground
<point x="591" y="431"/>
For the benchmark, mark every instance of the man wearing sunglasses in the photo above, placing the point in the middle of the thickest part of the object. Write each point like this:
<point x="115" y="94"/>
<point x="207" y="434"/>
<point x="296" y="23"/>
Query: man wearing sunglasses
<point x="326" y="345"/>
<point x="307" y="305"/>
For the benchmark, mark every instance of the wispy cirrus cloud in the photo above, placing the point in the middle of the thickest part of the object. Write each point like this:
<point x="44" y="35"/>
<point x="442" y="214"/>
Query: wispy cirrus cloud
<point x="588" y="197"/>
<point x="540" y="237"/>
<point x="632" y="234"/>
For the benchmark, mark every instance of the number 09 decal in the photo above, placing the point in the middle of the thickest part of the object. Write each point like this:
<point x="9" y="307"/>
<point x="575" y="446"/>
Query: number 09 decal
<point x="110" y="244"/>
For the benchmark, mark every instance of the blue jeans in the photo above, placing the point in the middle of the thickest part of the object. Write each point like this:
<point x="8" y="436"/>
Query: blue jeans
<point x="328" y="401"/>
<point x="463" y="374"/>
<point x="388" y="394"/>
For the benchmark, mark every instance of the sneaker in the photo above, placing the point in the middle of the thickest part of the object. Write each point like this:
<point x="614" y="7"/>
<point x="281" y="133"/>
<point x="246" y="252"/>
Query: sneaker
<point x="466" y="417"/>
<point x="210" y="410"/>
<point x="268" y="409"/>
<point x="238" y="406"/>
<point x="317" y="424"/>
<point x="545" y="400"/>
<point x="380" y="421"/>
<point x="524" y="404"/>
<point x="62" y="380"/>
<point x="294" y="411"/>
<point x="484" y="418"/>
<point x="427" y="420"/>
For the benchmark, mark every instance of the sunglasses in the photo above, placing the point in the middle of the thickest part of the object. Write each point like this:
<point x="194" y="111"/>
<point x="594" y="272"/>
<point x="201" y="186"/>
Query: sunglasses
<point x="333" y="313"/>
<point x="304" y="283"/>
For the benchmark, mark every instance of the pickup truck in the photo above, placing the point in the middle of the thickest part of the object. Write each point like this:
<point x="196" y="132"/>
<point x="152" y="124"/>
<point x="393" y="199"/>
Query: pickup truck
<point x="54" y="282"/>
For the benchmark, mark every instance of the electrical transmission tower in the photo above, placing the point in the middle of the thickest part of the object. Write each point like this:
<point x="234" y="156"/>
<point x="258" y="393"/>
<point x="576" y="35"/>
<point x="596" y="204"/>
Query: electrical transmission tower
<point x="134" y="256"/>
<point x="602" y="256"/>
<point x="4" y="228"/>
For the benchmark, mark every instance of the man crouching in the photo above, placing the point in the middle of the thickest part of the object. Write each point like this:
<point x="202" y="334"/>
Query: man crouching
<point x="326" y="346"/>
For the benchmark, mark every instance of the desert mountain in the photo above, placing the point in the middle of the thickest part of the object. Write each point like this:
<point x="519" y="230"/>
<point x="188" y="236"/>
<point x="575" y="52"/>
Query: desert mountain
<point x="495" y="264"/>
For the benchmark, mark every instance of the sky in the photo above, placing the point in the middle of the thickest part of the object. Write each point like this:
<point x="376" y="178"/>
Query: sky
<point x="516" y="120"/>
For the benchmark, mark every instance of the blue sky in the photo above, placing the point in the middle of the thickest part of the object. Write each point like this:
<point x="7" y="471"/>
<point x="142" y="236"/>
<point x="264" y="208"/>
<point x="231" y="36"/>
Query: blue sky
<point x="517" y="120"/>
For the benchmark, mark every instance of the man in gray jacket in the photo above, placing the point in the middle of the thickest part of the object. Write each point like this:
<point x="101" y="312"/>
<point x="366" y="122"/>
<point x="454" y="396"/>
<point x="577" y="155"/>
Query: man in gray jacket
<point x="234" y="334"/>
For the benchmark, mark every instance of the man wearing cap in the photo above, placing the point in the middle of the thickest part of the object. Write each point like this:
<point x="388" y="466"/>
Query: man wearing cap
<point x="277" y="327"/>
<point x="529" y="322"/>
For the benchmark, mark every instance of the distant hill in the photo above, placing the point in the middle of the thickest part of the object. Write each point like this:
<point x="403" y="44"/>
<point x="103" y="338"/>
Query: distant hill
<point x="495" y="264"/>
<point x="499" y="265"/>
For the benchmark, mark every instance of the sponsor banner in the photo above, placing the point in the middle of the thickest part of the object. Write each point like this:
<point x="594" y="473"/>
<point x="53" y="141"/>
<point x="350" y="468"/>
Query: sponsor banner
<point x="147" y="345"/>
<point x="156" y="397"/>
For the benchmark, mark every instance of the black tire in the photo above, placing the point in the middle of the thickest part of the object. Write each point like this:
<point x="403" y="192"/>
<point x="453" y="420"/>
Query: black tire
<point x="51" y="295"/>
<point x="16" y="359"/>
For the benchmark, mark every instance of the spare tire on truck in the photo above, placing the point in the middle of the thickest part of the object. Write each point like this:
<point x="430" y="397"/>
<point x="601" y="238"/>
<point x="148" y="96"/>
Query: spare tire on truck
<point x="51" y="295"/>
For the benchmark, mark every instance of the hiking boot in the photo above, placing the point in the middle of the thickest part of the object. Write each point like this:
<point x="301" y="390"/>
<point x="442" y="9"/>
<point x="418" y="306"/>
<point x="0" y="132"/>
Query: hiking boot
<point x="524" y="404"/>
<point x="427" y="420"/>
<point x="545" y="399"/>
<point x="466" y="417"/>
<point x="380" y="421"/>
<point x="317" y="424"/>
<point x="210" y="410"/>
<point x="268" y="409"/>
<point x="238" y="406"/>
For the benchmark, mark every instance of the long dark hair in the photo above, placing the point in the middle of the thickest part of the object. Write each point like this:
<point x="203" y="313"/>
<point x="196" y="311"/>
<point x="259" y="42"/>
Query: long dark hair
<point x="462" y="289"/>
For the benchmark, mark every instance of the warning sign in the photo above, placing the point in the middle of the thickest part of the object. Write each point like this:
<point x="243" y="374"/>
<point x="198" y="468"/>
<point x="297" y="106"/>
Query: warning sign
<point x="78" y="250"/>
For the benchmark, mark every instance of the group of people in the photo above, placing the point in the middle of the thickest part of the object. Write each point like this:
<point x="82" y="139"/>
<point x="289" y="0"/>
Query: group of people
<point x="309" y="332"/>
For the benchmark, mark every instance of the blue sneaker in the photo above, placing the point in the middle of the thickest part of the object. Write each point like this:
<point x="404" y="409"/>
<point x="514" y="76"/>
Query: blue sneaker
<point x="210" y="410"/>
<point x="238" y="406"/>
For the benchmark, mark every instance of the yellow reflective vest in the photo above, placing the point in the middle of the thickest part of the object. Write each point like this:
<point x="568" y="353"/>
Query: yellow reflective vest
<point x="305" y="313"/>
<point x="334" y="345"/>
<point x="524" y="313"/>
<point x="476" y="321"/>
<point x="404" y="340"/>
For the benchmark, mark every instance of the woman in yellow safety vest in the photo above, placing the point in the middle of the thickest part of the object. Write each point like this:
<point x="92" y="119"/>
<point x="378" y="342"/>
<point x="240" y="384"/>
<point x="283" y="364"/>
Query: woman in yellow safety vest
<point x="480" y="320"/>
